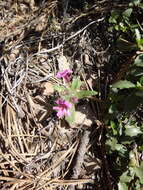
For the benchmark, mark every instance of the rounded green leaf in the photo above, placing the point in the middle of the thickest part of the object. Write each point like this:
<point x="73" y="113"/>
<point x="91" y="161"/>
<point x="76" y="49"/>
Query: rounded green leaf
<point x="122" y="186"/>
<point x="59" y="88"/>
<point x="141" y="80"/>
<point x="122" y="84"/>
<point x="139" y="60"/>
<point x="85" y="93"/>
<point x="132" y="130"/>
<point x="128" y="12"/>
<point x="76" y="83"/>
<point x="139" y="173"/>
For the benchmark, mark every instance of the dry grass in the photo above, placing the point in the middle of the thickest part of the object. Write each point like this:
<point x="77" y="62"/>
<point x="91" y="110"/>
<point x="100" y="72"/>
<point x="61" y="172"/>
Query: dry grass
<point x="36" y="150"/>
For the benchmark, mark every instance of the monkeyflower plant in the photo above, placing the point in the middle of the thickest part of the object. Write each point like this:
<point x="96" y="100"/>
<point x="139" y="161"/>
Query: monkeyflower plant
<point x="70" y="93"/>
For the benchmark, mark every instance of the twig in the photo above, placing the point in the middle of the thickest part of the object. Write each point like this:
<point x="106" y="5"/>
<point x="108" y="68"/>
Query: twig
<point x="80" y="156"/>
<point x="69" y="38"/>
<point x="48" y="77"/>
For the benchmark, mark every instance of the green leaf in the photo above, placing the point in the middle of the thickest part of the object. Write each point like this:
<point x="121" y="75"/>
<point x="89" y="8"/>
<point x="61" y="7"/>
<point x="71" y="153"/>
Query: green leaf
<point x="114" y="16"/>
<point x="139" y="60"/>
<point x="122" y="84"/>
<point x="138" y="85"/>
<point x="114" y="146"/>
<point x="112" y="142"/>
<point x="141" y="80"/>
<point x="59" y="88"/>
<point x="112" y="109"/>
<point x="138" y="71"/>
<point x="138" y="38"/>
<point x="139" y="173"/>
<point x="113" y="126"/>
<point x="132" y="130"/>
<point x="128" y="12"/>
<point x="141" y="5"/>
<point x="133" y="161"/>
<point x="125" y="177"/>
<point x="70" y="119"/>
<point x="76" y="83"/>
<point x="135" y="3"/>
<point x="85" y="93"/>
<point x="138" y="35"/>
<point x="122" y="186"/>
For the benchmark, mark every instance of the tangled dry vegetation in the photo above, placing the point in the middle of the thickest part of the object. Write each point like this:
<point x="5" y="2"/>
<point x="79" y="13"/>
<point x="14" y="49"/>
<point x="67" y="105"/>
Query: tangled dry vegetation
<point x="38" y="38"/>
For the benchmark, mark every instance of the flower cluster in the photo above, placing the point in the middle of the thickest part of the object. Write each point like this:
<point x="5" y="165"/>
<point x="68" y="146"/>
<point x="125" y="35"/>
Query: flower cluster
<point x="63" y="107"/>
<point x="66" y="74"/>
<point x="69" y="93"/>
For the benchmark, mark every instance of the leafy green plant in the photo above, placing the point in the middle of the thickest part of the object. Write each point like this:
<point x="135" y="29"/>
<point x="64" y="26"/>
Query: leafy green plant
<point x="70" y="93"/>
<point x="128" y="29"/>
<point x="124" y="132"/>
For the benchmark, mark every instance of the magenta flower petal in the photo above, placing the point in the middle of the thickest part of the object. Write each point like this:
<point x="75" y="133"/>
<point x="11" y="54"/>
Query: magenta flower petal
<point x="65" y="74"/>
<point x="68" y="104"/>
<point x="56" y="108"/>
<point x="68" y="113"/>
<point x="63" y="108"/>
<point x="60" y="114"/>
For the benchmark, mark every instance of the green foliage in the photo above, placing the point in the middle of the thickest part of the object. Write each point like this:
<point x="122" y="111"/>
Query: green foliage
<point x="132" y="130"/>
<point x="133" y="173"/>
<point x="125" y="96"/>
<point x="122" y="186"/>
<point x="139" y="61"/>
<point x="115" y="146"/>
<point x="127" y="13"/>
<point x="59" y="88"/>
<point x="128" y="30"/>
<point x="85" y="93"/>
<point x="76" y="83"/>
<point x="139" y="172"/>
<point x="70" y="119"/>
<point x="122" y="84"/>
<point x="125" y="132"/>
<point x="120" y="20"/>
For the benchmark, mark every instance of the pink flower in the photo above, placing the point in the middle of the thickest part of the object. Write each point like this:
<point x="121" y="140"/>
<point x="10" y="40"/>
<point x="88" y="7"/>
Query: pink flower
<point x="65" y="74"/>
<point x="62" y="108"/>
